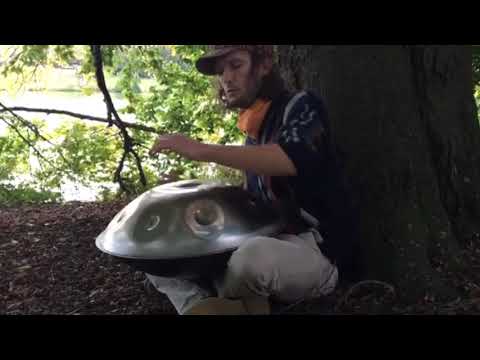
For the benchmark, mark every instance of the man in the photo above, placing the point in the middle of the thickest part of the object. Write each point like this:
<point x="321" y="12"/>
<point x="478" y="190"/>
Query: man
<point x="288" y="159"/>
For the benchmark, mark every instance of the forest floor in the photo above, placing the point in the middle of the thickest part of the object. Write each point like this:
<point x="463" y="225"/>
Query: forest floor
<point x="50" y="265"/>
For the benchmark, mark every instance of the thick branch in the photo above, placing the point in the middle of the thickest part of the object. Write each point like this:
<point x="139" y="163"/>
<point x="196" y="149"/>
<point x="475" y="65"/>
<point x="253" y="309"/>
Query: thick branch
<point x="78" y="116"/>
<point x="127" y="140"/>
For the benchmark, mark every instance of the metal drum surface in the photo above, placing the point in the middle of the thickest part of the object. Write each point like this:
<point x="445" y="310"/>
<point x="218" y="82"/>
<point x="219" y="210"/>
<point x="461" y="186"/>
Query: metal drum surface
<point x="186" y="227"/>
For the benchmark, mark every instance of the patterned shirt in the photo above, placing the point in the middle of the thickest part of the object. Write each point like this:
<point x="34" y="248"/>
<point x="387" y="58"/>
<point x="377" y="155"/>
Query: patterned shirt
<point x="319" y="191"/>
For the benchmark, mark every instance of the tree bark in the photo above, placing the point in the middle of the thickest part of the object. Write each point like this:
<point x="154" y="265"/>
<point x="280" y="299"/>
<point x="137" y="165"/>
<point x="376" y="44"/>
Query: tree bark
<point x="405" y="120"/>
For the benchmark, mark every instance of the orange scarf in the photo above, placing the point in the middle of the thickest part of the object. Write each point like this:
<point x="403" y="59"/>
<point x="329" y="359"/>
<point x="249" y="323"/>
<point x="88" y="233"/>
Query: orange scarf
<point x="251" y="119"/>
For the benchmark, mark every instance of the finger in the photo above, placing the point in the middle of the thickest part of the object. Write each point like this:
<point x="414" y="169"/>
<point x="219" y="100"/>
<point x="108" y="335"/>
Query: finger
<point x="157" y="145"/>
<point x="155" y="149"/>
<point x="160" y="146"/>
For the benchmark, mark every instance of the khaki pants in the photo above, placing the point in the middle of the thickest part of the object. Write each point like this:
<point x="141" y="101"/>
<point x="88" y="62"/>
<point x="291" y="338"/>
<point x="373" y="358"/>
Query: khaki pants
<point x="287" y="268"/>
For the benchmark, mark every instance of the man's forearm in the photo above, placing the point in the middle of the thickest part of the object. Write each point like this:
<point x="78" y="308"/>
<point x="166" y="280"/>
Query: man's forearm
<point x="261" y="160"/>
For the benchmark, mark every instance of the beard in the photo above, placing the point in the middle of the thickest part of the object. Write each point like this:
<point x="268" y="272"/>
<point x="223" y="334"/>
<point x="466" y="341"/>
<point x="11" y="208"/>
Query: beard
<point x="244" y="101"/>
<point x="240" y="103"/>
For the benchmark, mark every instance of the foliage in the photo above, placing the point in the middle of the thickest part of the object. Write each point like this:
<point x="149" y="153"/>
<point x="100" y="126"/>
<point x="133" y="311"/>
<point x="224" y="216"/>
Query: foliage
<point x="11" y="195"/>
<point x="476" y="64"/>
<point x="163" y="91"/>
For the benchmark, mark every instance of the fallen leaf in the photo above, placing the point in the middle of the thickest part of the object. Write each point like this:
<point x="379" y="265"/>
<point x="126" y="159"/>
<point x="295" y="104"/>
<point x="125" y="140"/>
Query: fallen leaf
<point x="23" y="268"/>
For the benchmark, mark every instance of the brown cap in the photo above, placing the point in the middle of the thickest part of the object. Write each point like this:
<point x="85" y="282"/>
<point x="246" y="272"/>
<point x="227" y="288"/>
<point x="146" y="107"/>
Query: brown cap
<point x="206" y="63"/>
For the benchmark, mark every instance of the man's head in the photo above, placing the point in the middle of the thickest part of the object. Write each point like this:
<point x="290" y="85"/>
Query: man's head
<point x="245" y="73"/>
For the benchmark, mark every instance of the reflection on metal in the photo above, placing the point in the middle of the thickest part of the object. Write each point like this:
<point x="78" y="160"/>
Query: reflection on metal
<point x="154" y="221"/>
<point x="185" y="220"/>
<point x="204" y="218"/>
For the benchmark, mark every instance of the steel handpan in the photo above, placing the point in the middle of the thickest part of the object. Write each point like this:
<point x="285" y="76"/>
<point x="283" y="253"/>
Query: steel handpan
<point x="186" y="227"/>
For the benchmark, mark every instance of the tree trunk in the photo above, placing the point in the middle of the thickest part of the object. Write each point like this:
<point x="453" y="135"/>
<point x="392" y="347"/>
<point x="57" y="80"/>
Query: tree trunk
<point x="405" y="120"/>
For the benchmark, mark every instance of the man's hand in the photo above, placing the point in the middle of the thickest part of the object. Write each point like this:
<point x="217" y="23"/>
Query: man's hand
<point x="178" y="143"/>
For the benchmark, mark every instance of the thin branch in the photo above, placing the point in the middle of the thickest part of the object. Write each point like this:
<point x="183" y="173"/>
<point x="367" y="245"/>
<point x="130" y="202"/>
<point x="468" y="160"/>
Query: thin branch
<point x="34" y="129"/>
<point x="117" y="177"/>
<point x="139" y="166"/>
<point x="78" y="116"/>
<point x="13" y="56"/>
<point x="25" y="139"/>
<point x="34" y="72"/>
<point x="27" y="123"/>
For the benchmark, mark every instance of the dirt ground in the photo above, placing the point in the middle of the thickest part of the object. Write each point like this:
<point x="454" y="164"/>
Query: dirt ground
<point x="49" y="265"/>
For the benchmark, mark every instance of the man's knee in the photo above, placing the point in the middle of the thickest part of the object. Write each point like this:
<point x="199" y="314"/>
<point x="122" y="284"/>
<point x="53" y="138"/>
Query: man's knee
<point x="251" y="267"/>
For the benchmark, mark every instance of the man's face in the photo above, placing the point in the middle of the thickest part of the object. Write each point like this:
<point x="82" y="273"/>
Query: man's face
<point x="239" y="80"/>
